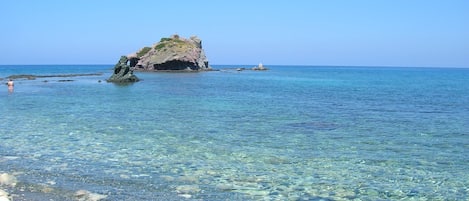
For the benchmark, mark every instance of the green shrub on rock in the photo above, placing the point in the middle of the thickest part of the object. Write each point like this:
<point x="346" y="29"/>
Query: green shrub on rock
<point x="143" y="51"/>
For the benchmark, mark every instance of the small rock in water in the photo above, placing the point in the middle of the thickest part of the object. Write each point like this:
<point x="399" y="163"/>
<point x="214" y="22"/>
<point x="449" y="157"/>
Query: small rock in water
<point x="11" y="157"/>
<point x="96" y="197"/>
<point x="225" y="187"/>
<point x="4" y="196"/>
<point x="187" y="189"/>
<point x="84" y="195"/>
<point x="188" y="178"/>
<point x="8" y="180"/>
<point x="187" y="196"/>
<point x="124" y="176"/>
<point x="167" y="178"/>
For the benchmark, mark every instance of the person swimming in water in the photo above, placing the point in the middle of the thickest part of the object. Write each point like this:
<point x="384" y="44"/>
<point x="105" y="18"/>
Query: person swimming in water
<point x="10" y="84"/>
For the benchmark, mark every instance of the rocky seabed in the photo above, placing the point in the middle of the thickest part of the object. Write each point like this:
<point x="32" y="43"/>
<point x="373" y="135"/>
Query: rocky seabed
<point x="9" y="181"/>
<point x="6" y="180"/>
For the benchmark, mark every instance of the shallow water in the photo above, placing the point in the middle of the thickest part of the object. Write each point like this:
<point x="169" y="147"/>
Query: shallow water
<point x="290" y="133"/>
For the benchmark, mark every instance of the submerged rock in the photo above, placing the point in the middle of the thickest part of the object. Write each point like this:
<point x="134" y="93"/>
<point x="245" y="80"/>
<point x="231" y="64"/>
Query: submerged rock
<point x="174" y="53"/>
<point x="84" y="195"/>
<point x="4" y="196"/>
<point x="8" y="180"/>
<point x="187" y="189"/>
<point x="122" y="72"/>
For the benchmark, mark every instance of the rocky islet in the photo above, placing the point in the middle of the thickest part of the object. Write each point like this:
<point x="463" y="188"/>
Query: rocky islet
<point x="171" y="54"/>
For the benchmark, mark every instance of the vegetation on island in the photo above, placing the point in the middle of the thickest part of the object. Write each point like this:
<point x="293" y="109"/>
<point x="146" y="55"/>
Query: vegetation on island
<point x="173" y="42"/>
<point x="165" y="39"/>
<point x="143" y="51"/>
<point x="160" y="46"/>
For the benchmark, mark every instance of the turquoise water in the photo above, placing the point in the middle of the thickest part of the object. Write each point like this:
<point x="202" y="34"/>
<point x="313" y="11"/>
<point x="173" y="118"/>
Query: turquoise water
<point x="290" y="133"/>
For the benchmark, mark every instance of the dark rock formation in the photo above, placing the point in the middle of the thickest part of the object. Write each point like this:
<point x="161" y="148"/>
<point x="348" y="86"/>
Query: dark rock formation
<point x="173" y="53"/>
<point x="33" y="77"/>
<point x="122" y="72"/>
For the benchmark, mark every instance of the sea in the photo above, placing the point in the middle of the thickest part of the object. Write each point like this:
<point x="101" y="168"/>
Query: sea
<point x="317" y="133"/>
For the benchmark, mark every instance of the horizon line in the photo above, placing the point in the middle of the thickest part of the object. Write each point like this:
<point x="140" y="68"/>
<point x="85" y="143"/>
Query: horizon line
<point x="243" y="65"/>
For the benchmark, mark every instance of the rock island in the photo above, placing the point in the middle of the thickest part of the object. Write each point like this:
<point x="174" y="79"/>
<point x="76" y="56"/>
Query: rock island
<point x="171" y="54"/>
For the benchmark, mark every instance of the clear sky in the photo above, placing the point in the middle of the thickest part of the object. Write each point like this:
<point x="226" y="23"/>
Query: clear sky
<point x="422" y="33"/>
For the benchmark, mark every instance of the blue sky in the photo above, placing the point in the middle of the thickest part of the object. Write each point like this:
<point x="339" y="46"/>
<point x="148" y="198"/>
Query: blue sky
<point x="422" y="33"/>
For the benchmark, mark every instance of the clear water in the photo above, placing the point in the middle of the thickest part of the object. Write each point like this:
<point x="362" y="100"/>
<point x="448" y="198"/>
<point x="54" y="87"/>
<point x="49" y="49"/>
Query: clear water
<point x="290" y="133"/>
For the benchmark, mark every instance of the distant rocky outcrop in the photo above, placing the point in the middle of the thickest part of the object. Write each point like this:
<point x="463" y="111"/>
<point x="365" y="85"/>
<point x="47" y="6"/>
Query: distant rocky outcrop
<point x="33" y="77"/>
<point x="122" y="72"/>
<point x="174" y="53"/>
<point x="259" y="67"/>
